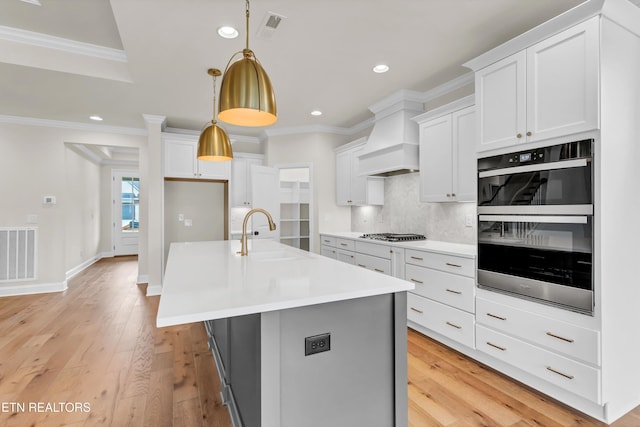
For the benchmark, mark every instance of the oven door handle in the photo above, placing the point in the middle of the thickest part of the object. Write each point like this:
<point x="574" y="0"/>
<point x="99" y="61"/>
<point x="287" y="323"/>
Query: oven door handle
<point x="547" y="219"/>
<point x="565" y="164"/>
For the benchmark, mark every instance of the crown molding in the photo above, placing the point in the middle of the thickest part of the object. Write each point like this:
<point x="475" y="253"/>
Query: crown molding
<point x="32" y="121"/>
<point x="32" y="38"/>
<point x="189" y="134"/>
<point x="296" y="130"/>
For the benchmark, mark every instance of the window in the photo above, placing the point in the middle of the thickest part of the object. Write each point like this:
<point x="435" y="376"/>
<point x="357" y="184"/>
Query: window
<point x="130" y="196"/>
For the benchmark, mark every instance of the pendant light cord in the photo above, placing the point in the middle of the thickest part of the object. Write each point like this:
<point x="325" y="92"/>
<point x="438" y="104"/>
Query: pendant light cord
<point x="214" y="101"/>
<point x="247" y="26"/>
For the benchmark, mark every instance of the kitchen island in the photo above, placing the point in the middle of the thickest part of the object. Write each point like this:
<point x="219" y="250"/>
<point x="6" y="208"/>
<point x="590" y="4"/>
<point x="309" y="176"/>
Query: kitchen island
<point x="298" y="339"/>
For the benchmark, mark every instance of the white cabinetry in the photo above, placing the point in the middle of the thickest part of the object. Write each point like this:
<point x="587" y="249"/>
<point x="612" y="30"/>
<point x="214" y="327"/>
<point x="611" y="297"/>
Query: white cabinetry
<point x="548" y="90"/>
<point x="443" y="300"/>
<point x="564" y="354"/>
<point x="241" y="178"/>
<point x="180" y="160"/>
<point x="352" y="189"/>
<point x="447" y="153"/>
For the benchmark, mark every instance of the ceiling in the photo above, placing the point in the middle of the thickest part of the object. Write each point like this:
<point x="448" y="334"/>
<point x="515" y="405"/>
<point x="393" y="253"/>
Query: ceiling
<point x="151" y="56"/>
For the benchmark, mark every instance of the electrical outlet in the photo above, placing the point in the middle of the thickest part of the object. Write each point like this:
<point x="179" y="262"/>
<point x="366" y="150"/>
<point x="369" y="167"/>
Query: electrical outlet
<point x="468" y="220"/>
<point x="180" y="217"/>
<point x="188" y="222"/>
<point x="317" y="344"/>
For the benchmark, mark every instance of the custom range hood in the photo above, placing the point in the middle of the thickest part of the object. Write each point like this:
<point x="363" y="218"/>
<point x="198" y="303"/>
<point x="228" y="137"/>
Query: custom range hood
<point x="392" y="146"/>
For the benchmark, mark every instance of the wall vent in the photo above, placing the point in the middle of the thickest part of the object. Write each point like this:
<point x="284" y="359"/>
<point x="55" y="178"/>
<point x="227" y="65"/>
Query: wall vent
<point x="269" y="25"/>
<point x="18" y="254"/>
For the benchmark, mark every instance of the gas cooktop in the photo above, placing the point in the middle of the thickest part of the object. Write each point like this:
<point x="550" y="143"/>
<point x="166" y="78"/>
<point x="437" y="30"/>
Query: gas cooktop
<point x="392" y="237"/>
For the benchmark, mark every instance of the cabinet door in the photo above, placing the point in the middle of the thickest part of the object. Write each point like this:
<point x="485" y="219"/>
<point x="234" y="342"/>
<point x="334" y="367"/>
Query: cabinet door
<point x="265" y="183"/>
<point x="358" y="183"/>
<point x="180" y="159"/>
<point x="562" y="83"/>
<point x="214" y="170"/>
<point x="239" y="183"/>
<point x="501" y="103"/>
<point x="343" y="178"/>
<point x="464" y="154"/>
<point x="436" y="160"/>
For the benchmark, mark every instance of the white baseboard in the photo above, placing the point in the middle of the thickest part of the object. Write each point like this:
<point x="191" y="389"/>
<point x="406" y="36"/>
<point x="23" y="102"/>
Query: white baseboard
<point x="142" y="278"/>
<point x="37" y="288"/>
<point x="153" y="290"/>
<point x="78" y="268"/>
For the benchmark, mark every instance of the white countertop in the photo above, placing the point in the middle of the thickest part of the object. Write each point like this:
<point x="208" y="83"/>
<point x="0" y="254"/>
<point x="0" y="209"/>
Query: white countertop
<point x="209" y="280"/>
<point x="458" y="249"/>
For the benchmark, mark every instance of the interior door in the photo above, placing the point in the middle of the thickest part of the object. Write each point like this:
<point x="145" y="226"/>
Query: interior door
<point x="265" y="190"/>
<point x="126" y="211"/>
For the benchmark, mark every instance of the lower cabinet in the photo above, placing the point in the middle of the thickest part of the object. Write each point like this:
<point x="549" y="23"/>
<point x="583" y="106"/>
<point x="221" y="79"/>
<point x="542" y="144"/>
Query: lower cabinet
<point x="443" y="300"/>
<point x="452" y="323"/>
<point x="569" y="374"/>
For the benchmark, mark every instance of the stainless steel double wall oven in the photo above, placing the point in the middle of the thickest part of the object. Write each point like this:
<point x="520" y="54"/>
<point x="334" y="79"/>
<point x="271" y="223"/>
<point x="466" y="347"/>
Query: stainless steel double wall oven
<point x="535" y="224"/>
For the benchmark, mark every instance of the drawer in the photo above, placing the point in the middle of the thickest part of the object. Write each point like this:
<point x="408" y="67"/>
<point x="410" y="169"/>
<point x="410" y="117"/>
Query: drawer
<point x="451" y="289"/>
<point x="450" y="322"/>
<point x="345" y="244"/>
<point x="328" y="240"/>
<point x="346" y="256"/>
<point x="375" y="249"/>
<point x="571" y="340"/>
<point x="374" y="263"/>
<point x="442" y="262"/>
<point x="328" y="251"/>
<point x="563" y="372"/>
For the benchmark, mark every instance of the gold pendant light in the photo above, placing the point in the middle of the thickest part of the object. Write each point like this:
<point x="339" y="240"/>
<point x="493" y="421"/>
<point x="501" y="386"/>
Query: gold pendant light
<point x="214" y="144"/>
<point x="246" y="93"/>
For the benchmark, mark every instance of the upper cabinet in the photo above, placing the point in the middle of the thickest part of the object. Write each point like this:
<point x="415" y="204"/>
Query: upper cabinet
<point x="351" y="188"/>
<point x="545" y="91"/>
<point x="180" y="160"/>
<point x="241" y="178"/>
<point x="447" y="153"/>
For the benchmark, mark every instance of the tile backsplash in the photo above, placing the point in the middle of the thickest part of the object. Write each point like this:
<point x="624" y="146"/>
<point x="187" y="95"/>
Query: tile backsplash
<point x="404" y="213"/>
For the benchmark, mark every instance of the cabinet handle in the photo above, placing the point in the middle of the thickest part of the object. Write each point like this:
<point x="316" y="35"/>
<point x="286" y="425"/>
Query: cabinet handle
<point x="343" y="244"/>
<point x="417" y="281"/>
<point x="496" y="346"/>
<point x="327" y="241"/>
<point x="378" y="270"/>
<point x="519" y="136"/>
<point x="570" y="377"/>
<point x="496" y="317"/>
<point x="529" y="133"/>
<point x="453" y="194"/>
<point x="454" y="265"/>
<point x="417" y="257"/>
<point x="448" y="195"/>
<point x="362" y="265"/>
<point x="454" y="325"/>
<point x="559" y="337"/>
<point x="416" y="310"/>
<point x="454" y="292"/>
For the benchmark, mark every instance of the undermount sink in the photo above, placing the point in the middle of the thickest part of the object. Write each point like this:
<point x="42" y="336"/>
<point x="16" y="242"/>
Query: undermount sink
<point x="268" y="256"/>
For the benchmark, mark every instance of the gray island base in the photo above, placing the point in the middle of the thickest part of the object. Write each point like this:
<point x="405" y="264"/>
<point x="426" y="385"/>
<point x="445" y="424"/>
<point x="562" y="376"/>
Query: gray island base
<point x="267" y="379"/>
<point x="299" y="339"/>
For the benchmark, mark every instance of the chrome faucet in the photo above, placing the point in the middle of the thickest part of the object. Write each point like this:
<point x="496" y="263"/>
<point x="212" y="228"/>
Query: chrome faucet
<point x="243" y="240"/>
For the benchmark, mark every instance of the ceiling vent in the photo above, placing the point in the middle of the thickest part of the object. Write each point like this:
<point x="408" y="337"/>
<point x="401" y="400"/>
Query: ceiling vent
<point x="269" y="25"/>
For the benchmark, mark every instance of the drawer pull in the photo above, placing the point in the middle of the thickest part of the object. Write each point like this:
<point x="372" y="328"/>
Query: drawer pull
<point x="327" y="241"/>
<point x="496" y="346"/>
<point x="362" y="265"/>
<point x="559" y="337"/>
<point x="454" y="325"/>
<point x="417" y="281"/>
<point x="454" y="265"/>
<point x="416" y="310"/>
<point x="378" y="270"/>
<point x="343" y="244"/>
<point x="417" y="257"/>
<point x="570" y="377"/>
<point x="496" y="317"/>
<point x="454" y="292"/>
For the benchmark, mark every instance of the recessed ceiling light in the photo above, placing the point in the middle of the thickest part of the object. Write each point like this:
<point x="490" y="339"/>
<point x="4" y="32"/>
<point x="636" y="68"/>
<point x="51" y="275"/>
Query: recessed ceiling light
<point x="96" y="118"/>
<point x="381" y="68"/>
<point x="227" y="32"/>
<point x="316" y="113"/>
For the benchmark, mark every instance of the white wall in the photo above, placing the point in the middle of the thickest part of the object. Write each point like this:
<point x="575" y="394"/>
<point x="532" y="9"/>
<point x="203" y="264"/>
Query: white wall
<point x="317" y="149"/>
<point x="34" y="162"/>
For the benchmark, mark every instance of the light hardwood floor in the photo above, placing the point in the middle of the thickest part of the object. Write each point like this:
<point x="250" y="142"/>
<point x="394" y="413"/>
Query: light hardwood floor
<point x="96" y="344"/>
